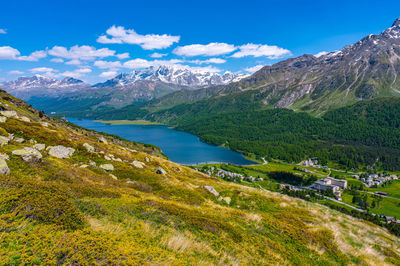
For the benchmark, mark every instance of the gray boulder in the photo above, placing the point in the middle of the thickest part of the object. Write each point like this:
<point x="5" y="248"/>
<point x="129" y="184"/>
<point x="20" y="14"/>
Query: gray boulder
<point x="4" y="140"/>
<point x="39" y="147"/>
<point x="88" y="147"/>
<point x="3" y="119"/>
<point x="103" y="140"/>
<point x="160" y="171"/>
<point x="61" y="152"/>
<point x="18" y="139"/>
<point x="212" y="190"/>
<point x="9" y="114"/>
<point x="28" y="154"/>
<point x="4" y="170"/>
<point x="107" y="167"/>
<point x="138" y="164"/>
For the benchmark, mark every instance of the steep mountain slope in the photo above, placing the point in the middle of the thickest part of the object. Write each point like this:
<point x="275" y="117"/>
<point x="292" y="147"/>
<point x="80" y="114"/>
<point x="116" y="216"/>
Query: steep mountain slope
<point x="72" y="196"/>
<point x="364" y="70"/>
<point x="69" y="95"/>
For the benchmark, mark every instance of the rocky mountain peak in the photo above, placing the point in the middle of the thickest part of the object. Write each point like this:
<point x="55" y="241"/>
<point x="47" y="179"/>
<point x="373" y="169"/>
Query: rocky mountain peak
<point x="396" y="23"/>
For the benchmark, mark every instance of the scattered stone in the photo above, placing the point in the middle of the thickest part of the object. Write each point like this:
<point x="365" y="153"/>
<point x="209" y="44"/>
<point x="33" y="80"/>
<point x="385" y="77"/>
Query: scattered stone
<point x="160" y="171"/>
<point x="107" y="167"/>
<point x="39" y="147"/>
<point x="4" y="170"/>
<point x="92" y="163"/>
<point x="10" y="136"/>
<point x="18" y="140"/>
<point x="129" y="182"/>
<point x="3" y="119"/>
<point x="113" y="176"/>
<point x="147" y="159"/>
<point x="226" y="199"/>
<point x="44" y="124"/>
<point x="32" y="141"/>
<point x="25" y="119"/>
<point x="9" y="114"/>
<point x="4" y="156"/>
<point x="117" y="159"/>
<point x="212" y="190"/>
<point x="101" y="152"/>
<point x="108" y="158"/>
<point x="4" y="140"/>
<point x="84" y="166"/>
<point x="103" y="140"/>
<point x="28" y="154"/>
<point x="61" y="151"/>
<point x="88" y="147"/>
<point x="138" y="164"/>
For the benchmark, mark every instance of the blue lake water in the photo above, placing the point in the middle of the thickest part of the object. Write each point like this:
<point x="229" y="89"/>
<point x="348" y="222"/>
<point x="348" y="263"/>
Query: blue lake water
<point x="180" y="147"/>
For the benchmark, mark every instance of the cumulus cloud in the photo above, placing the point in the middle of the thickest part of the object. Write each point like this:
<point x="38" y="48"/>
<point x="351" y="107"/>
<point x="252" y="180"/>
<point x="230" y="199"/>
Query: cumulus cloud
<point x="118" y="34"/>
<point x="77" y="73"/>
<point x="3" y="31"/>
<point x="15" y="72"/>
<point x="122" y="56"/>
<point x="8" y="53"/>
<point x="33" y="57"/>
<point x="42" y="69"/>
<point x="208" y="61"/>
<point x="74" y="62"/>
<point x="321" y="54"/>
<point x="108" y="74"/>
<point x="84" y="52"/>
<point x="157" y="55"/>
<point x="253" y="68"/>
<point x="211" y="49"/>
<point x="258" y="50"/>
<point x="143" y="63"/>
<point x="108" y="64"/>
<point x="57" y="60"/>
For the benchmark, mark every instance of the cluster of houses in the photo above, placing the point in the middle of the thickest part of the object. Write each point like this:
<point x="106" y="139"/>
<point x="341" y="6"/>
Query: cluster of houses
<point x="375" y="179"/>
<point x="235" y="177"/>
<point x="389" y="219"/>
<point x="312" y="163"/>
<point x="336" y="185"/>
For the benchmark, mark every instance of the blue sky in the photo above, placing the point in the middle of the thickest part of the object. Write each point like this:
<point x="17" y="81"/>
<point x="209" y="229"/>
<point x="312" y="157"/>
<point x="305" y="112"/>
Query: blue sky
<point x="94" y="40"/>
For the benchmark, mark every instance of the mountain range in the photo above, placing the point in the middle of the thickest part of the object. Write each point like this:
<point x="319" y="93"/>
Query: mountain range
<point x="126" y="88"/>
<point x="364" y="70"/>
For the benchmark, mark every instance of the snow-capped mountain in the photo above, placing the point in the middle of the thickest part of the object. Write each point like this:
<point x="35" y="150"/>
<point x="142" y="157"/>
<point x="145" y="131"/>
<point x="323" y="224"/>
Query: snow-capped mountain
<point x="38" y="85"/>
<point x="173" y="75"/>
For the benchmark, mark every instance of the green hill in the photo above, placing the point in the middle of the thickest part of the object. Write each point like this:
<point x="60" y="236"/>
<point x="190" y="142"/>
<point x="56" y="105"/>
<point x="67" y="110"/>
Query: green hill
<point x="87" y="198"/>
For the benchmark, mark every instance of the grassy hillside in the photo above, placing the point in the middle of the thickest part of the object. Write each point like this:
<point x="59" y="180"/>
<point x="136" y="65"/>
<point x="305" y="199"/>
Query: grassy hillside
<point x="71" y="211"/>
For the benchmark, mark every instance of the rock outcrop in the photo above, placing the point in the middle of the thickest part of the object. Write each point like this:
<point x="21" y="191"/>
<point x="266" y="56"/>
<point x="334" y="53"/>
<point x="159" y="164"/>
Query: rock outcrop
<point x="61" y="152"/>
<point x="160" y="171"/>
<point x="28" y="154"/>
<point x="107" y="167"/>
<point x="138" y="164"/>
<point x="88" y="147"/>
<point x="4" y="170"/>
<point x="212" y="190"/>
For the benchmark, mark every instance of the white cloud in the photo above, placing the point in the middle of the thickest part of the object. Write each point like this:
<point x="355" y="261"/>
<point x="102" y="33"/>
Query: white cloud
<point x="258" y="50"/>
<point x="108" y="74"/>
<point x="8" y="53"/>
<point x="157" y="55"/>
<point x="15" y="72"/>
<point x="74" y="62"/>
<point x="143" y="63"/>
<point x="321" y="54"/>
<point x="42" y="69"/>
<point x="254" y="68"/>
<point x="148" y="42"/>
<point x="122" y="56"/>
<point x="83" y="52"/>
<point x="34" y="57"/>
<point x="208" y="61"/>
<point x="211" y="49"/>
<point x="77" y="73"/>
<point x="108" y="64"/>
<point x="57" y="60"/>
<point x="3" y="31"/>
